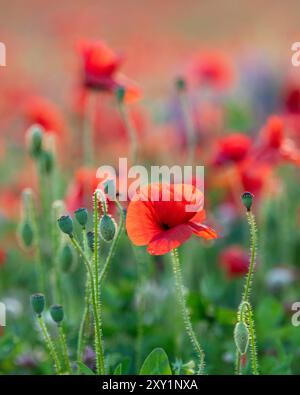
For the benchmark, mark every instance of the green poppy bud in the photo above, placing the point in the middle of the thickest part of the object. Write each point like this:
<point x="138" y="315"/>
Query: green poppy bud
<point x="180" y="84"/>
<point x="81" y="216"/>
<point x="120" y="94"/>
<point x="57" y="313"/>
<point x="91" y="240"/>
<point x="241" y="337"/>
<point x="247" y="199"/>
<point x="37" y="303"/>
<point x="35" y="140"/>
<point x="65" y="224"/>
<point x="46" y="161"/>
<point x="107" y="228"/>
<point x="26" y="234"/>
<point x="66" y="257"/>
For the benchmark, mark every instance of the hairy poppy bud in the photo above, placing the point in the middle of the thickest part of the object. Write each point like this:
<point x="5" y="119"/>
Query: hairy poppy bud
<point x="35" y="140"/>
<point x="247" y="199"/>
<point x="65" y="224"/>
<point x="120" y="94"/>
<point x="57" y="313"/>
<point x="37" y="303"/>
<point x="26" y="234"/>
<point x="180" y="84"/>
<point x="91" y="240"/>
<point x="65" y="257"/>
<point x="241" y="337"/>
<point x="107" y="228"/>
<point x="81" y="216"/>
<point x="47" y="161"/>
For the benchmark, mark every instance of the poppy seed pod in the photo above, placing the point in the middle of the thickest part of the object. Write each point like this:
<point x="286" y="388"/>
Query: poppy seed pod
<point x="91" y="240"/>
<point x="35" y="139"/>
<point x="46" y="161"/>
<point x="120" y="94"/>
<point x="241" y="337"/>
<point x="180" y="84"/>
<point x="57" y="313"/>
<point x="81" y="216"/>
<point x="26" y="234"/>
<point x="37" y="303"/>
<point x="65" y="224"/>
<point x="107" y="228"/>
<point x="247" y="199"/>
<point x="65" y="257"/>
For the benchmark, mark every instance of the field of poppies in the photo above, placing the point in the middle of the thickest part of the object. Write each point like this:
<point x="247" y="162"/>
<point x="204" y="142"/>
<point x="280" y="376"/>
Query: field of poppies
<point x="102" y="275"/>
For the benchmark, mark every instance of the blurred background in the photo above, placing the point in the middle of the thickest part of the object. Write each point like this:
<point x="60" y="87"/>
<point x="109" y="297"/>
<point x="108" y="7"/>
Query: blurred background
<point x="235" y="57"/>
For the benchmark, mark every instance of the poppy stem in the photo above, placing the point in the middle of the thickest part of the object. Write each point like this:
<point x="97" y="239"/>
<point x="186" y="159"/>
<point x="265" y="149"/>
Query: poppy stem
<point x="64" y="348"/>
<point x="131" y="132"/>
<point x="114" y="244"/>
<point x="97" y="320"/>
<point x="86" y="305"/>
<point x="50" y="345"/>
<point x="249" y="320"/>
<point x="88" y="132"/>
<point x="185" y="312"/>
<point x="188" y="123"/>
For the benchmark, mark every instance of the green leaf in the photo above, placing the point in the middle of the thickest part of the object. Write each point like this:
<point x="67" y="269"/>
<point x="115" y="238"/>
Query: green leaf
<point x="157" y="362"/>
<point x="85" y="369"/>
<point x="118" y="370"/>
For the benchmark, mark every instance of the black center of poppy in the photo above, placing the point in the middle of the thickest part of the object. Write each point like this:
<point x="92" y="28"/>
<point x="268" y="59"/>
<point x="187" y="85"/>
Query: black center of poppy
<point x="165" y="226"/>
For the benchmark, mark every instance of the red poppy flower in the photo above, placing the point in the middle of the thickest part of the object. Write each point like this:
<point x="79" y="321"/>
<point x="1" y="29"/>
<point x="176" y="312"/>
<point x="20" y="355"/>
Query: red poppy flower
<point x="100" y="69"/>
<point x="232" y="148"/>
<point x="273" y="133"/>
<point x="235" y="261"/>
<point x="162" y="224"/>
<point x="38" y="110"/>
<point x="214" y="69"/>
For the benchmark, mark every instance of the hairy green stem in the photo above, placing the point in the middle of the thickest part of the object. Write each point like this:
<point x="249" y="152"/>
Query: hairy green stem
<point x="50" y="345"/>
<point x="114" y="244"/>
<point x="64" y="347"/>
<point x="185" y="313"/>
<point x="97" y="320"/>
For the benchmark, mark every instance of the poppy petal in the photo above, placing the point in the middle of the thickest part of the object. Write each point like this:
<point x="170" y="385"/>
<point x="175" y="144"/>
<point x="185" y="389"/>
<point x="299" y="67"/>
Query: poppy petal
<point x="167" y="240"/>
<point x="203" y="231"/>
<point x="140" y="223"/>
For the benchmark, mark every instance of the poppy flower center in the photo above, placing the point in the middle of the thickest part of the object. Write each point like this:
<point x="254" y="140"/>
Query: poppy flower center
<point x="165" y="226"/>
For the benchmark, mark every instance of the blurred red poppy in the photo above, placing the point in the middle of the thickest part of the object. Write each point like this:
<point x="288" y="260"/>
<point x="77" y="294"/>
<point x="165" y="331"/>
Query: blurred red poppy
<point x="213" y="69"/>
<point x="235" y="261"/>
<point x="232" y="148"/>
<point x="162" y="224"/>
<point x="38" y="110"/>
<point x="101" y="69"/>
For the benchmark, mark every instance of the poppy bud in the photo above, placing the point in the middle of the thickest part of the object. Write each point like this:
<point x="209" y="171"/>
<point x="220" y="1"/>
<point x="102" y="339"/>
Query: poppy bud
<point x="107" y="228"/>
<point x="241" y="337"/>
<point x="120" y="94"/>
<point x="47" y="161"/>
<point x="35" y="140"/>
<point x="180" y="84"/>
<point x="65" y="224"/>
<point x="65" y="257"/>
<point x="57" y="313"/>
<point x="37" y="303"/>
<point x="81" y="216"/>
<point x="26" y="234"/>
<point x="91" y="240"/>
<point x="247" y="199"/>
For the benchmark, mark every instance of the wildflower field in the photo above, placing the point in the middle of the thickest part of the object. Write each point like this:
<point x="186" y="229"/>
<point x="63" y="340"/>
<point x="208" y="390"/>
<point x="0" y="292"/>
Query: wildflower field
<point x="149" y="188"/>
